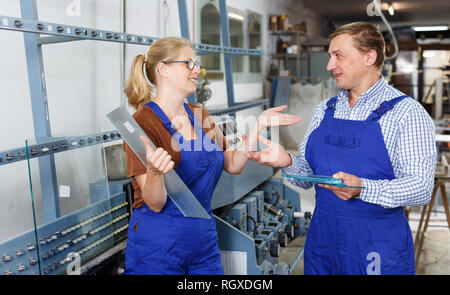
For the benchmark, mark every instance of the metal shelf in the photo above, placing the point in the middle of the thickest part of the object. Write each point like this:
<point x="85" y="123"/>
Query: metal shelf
<point x="66" y="33"/>
<point x="284" y="58"/>
<point x="57" y="145"/>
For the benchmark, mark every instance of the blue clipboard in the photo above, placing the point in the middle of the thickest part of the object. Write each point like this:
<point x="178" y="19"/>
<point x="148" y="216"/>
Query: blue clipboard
<point x="320" y="179"/>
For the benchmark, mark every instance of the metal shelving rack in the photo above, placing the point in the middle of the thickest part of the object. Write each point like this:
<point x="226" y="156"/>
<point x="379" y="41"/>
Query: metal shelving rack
<point x="285" y="57"/>
<point x="48" y="145"/>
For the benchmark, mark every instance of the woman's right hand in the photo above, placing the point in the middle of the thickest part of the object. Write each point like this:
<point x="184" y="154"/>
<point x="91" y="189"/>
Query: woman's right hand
<point x="273" y="117"/>
<point x="159" y="161"/>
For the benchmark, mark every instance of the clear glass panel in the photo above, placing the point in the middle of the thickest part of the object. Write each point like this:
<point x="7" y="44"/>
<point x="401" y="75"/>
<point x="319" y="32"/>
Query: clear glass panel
<point x="76" y="207"/>
<point x="79" y="214"/>
<point x="18" y="252"/>
<point x="119" y="188"/>
<point x="210" y="34"/>
<point x="176" y="189"/>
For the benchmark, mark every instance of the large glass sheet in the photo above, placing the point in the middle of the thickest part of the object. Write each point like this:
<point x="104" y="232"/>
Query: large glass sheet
<point x="18" y="252"/>
<point x="80" y="79"/>
<point x="176" y="189"/>
<point x="76" y="214"/>
<point x="119" y="188"/>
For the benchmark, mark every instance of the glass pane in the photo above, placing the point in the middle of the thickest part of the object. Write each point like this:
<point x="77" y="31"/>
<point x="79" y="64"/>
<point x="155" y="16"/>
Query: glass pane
<point x="79" y="95"/>
<point x="210" y="34"/>
<point x="79" y="214"/>
<point x="17" y="237"/>
<point x="175" y="187"/>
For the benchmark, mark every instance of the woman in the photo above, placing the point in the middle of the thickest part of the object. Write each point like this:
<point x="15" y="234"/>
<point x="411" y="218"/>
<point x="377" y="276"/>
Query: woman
<point x="160" y="239"/>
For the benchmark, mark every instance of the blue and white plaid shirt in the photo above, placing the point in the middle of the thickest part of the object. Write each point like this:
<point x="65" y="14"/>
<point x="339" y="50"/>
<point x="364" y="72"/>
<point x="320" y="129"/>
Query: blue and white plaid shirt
<point x="408" y="132"/>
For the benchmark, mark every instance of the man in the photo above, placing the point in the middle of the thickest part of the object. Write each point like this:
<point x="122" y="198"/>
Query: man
<point x="371" y="136"/>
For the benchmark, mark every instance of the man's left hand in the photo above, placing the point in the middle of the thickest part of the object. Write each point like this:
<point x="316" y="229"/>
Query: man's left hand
<point x="345" y="193"/>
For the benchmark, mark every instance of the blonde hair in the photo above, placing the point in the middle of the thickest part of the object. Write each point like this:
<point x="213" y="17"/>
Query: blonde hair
<point x="138" y="90"/>
<point x="366" y="36"/>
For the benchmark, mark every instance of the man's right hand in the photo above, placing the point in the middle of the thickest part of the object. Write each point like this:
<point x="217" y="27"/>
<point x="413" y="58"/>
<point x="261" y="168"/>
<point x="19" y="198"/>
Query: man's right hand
<point x="274" y="155"/>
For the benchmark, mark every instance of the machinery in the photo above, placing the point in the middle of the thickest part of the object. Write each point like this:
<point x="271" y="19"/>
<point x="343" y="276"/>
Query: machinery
<point x="202" y="91"/>
<point x="256" y="217"/>
<point x="48" y="249"/>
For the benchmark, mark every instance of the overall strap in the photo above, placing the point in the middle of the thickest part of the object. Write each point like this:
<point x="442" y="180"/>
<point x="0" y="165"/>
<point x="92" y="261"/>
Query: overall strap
<point x="192" y="118"/>
<point x="166" y="122"/>
<point x="384" y="108"/>
<point x="331" y="106"/>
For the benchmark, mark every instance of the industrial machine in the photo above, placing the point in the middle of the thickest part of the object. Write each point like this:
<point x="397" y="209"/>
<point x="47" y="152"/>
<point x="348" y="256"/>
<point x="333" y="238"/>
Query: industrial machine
<point x="256" y="217"/>
<point x="87" y="232"/>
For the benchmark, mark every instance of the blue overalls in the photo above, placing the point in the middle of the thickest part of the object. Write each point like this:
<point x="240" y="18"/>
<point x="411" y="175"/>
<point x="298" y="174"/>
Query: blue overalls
<point x="167" y="242"/>
<point x="354" y="237"/>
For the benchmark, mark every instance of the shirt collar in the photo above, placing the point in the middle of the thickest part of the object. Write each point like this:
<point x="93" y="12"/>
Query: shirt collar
<point x="373" y="94"/>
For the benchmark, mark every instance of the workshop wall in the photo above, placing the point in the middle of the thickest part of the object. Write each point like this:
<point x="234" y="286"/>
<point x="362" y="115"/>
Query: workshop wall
<point x="84" y="82"/>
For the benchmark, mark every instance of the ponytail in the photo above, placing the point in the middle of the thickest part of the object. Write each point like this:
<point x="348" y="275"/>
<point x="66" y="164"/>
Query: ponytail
<point x="138" y="90"/>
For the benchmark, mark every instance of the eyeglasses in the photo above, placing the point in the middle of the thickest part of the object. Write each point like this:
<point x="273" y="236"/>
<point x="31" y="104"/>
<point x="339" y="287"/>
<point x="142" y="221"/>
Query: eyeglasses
<point x="189" y="63"/>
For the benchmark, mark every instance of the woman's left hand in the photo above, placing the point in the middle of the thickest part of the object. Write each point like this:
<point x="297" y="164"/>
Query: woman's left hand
<point x="273" y="117"/>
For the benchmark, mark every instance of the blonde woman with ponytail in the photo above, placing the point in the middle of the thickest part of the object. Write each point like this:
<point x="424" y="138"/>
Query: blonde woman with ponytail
<point x="160" y="239"/>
